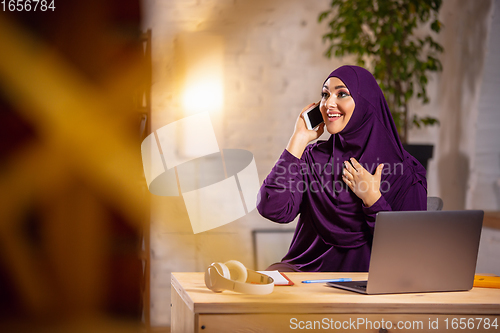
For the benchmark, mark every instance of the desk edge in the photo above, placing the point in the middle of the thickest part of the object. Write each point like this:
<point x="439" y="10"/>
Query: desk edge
<point x="181" y="292"/>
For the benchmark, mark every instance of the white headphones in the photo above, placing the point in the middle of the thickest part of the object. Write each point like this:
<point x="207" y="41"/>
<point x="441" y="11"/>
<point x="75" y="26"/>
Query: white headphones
<point x="233" y="275"/>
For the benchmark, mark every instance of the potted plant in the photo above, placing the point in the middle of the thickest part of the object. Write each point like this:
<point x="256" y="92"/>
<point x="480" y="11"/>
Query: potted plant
<point x="383" y="36"/>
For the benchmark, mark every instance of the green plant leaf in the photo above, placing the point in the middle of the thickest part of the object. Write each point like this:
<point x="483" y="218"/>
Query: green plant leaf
<point x="436" y="26"/>
<point x="324" y="15"/>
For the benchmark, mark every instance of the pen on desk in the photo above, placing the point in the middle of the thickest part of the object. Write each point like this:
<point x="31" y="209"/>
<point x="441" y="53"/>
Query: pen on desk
<point x="327" y="280"/>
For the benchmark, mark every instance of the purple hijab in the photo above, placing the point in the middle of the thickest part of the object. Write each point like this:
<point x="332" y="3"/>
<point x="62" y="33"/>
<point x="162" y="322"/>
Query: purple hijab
<point x="371" y="138"/>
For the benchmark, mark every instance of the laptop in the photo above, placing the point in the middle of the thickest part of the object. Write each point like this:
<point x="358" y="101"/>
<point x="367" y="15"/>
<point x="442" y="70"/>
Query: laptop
<point x="421" y="251"/>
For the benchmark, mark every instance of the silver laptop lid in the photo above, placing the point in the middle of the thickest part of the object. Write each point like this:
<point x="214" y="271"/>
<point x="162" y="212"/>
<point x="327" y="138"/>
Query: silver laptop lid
<point x="424" y="251"/>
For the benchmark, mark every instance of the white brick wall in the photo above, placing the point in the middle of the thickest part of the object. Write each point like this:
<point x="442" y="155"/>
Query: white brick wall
<point x="485" y="172"/>
<point x="484" y="182"/>
<point x="274" y="66"/>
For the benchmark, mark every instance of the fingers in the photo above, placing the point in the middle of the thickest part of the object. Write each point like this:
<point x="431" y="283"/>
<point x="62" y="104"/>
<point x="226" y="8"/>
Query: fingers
<point x="347" y="174"/>
<point x="354" y="166"/>
<point x="358" y="167"/>
<point x="350" y="169"/>
<point x="354" y="172"/>
<point x="348" y="182"/>
<point x="348" y="179"/>
<point x="378" y="172"/>
<point x="321" y="129"/>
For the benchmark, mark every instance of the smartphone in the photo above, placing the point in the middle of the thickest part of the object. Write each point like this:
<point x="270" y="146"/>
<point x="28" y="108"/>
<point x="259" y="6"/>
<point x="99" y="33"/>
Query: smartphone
<point x="313" y="117"/>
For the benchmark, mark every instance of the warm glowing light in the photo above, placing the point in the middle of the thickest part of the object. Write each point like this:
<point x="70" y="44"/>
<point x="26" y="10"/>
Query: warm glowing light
<point x="202" y="57"/>
<point x="205" y="94"/>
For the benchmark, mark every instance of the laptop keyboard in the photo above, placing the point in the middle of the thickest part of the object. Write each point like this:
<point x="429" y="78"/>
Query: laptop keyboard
<point x="357" y="286"/>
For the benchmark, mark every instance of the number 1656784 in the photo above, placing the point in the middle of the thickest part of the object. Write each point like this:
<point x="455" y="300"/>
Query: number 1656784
<point x="27" y="5"/>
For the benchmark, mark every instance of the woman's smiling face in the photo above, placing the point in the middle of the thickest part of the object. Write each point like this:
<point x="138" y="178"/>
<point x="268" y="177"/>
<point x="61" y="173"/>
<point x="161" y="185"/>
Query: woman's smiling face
<point x="337" y="105"/>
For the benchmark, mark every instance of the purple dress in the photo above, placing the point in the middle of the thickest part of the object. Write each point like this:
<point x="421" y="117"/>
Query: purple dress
<point x="335" y="230"/>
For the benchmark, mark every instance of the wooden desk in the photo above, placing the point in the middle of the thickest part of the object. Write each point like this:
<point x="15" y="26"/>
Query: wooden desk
<point x="491" y="220"/>
<point x="290" y="308"/>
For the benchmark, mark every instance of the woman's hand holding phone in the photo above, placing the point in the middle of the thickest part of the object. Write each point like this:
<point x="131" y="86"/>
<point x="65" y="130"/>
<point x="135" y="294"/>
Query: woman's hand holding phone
<point x="302" y="135"/>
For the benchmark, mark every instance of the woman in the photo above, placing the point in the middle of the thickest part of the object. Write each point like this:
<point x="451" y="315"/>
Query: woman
<point x="338" y="186"/>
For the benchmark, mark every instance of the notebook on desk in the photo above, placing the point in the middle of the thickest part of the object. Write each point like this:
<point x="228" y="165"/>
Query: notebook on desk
<point x="424" y="251"/>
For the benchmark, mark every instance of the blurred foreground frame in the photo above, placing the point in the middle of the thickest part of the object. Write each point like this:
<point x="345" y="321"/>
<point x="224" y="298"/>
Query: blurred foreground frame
<point x="73" y="198"/>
